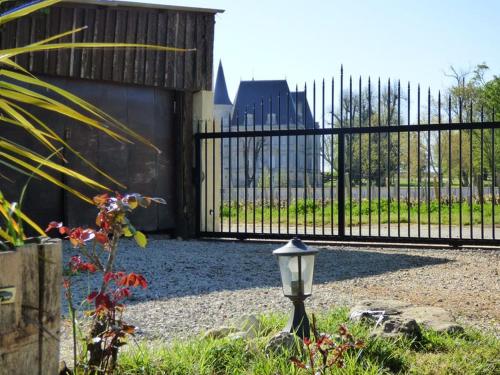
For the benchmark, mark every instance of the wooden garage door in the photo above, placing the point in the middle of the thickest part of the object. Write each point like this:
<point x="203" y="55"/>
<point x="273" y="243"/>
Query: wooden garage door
<point x="146" y="110"/>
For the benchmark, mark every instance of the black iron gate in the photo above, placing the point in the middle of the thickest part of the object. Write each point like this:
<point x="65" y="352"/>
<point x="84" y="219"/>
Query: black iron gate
<point x="367" y="168"/>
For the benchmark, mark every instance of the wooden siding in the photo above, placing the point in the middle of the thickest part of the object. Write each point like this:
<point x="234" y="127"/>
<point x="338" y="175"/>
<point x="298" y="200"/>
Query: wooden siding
<point x="191" y="71"/>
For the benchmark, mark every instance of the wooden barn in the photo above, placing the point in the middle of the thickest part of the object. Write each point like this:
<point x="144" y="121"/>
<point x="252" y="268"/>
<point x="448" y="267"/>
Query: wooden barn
<point x="157" y="94"/>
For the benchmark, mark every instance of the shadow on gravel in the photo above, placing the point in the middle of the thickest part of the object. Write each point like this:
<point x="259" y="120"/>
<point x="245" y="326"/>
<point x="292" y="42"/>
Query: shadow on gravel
<point x="194" y="268"/>
<point x="338" y="265"/>
<point x="201" y="268"/>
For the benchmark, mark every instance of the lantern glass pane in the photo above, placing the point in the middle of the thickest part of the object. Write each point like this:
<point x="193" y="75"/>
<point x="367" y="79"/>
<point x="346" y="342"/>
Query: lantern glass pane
<point x="295" y="284"/>
<point x="307" y="273"/>
<point x="286" y="274"/>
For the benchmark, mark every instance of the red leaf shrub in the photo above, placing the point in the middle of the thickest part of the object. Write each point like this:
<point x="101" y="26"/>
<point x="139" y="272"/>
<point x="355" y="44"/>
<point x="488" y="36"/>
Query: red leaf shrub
<point x="324" y="352"/>
<point x="97" y="253"/>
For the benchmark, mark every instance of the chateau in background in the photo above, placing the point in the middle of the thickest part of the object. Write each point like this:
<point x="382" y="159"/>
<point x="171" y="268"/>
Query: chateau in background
<point x="265" y="105"/>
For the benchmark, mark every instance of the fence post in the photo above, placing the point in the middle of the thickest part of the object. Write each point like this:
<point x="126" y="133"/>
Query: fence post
<point x="198" y="180"/>
<point x="341" y="184"/>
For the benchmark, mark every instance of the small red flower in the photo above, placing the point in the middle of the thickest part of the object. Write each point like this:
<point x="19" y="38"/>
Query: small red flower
<point x="129" y="329"/>
<point x="103" y="300"/>
<point x="76" y="264"/>
<point x="78" y="236"/>
<point x="122" y="293"/>
<point x="101" y="199"/>
<point x="57" y="225"/>
<point x="53" y="225"/>
<point x="102" y="221"/>
<point x="91" y="296"/>
<point x="108" y="277"/>
<point x="133" y="279"/>
<point x="101" y="237"/>
<point x="89" y="267"/>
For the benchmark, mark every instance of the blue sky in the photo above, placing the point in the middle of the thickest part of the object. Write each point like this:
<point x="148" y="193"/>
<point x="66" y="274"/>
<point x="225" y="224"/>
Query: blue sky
<point x="414" y="41"/>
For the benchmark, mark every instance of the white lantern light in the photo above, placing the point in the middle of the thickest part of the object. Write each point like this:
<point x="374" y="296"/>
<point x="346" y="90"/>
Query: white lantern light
<point x="296" y="262"/>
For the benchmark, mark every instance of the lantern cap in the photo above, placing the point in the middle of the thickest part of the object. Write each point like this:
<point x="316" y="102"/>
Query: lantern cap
<point x="295" y="247"/>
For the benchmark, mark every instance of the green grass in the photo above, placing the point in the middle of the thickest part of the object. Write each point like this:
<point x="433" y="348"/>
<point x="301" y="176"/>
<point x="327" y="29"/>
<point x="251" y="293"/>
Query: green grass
<point x="470" y="353"/>
<point x="308" y="211"/>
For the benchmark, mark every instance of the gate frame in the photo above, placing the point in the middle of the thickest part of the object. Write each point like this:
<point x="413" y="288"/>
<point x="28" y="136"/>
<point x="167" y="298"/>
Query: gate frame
<point x="341" y="132"/>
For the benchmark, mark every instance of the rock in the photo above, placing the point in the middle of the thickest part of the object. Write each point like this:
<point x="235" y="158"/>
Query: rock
<point x="391" y="307"/>
<point x="218" y="333"/>
<point x="396" y="327"/>
<point x="435" y="318"/>
<point x="238" y="336"/>
<point x="282" y="342"/>
<point x="249" y="324"/>
<point x="243" y="328"/>
<point x="400" y="318"/>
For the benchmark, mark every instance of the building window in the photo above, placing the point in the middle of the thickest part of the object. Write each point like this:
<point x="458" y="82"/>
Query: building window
<point x="249" y="119"/>
<point x="271" y="116"/>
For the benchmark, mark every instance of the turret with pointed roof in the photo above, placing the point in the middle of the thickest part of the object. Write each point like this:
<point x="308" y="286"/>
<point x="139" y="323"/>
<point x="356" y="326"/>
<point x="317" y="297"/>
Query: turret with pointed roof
<point x="221" y="96"/>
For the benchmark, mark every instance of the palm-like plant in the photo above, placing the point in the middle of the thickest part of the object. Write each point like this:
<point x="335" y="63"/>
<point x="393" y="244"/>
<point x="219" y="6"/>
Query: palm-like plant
<point x="19" y="89"/>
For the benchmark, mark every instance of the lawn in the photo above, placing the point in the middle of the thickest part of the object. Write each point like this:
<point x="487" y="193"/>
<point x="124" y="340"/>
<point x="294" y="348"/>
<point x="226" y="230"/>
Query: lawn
<point x="310" y="211"/>
<point x="470" y="353"/>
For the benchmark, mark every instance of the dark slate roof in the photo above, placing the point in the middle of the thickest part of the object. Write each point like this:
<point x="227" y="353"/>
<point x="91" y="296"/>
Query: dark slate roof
<point x="220" y="93"/>
<point x="264" y="94"/>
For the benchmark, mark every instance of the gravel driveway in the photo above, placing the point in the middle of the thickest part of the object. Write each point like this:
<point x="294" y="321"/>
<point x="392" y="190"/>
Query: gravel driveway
<point x="196" y="285"/>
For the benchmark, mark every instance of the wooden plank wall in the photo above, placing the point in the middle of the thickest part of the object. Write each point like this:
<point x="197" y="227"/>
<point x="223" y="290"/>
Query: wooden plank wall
<point x="190" y="71"/>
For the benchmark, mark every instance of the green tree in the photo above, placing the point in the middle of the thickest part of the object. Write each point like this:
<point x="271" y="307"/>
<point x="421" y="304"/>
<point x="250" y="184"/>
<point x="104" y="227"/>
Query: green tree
<point x="473" y="99"/>
<point x="490" y="96"/>
<point x="362" y="109"/>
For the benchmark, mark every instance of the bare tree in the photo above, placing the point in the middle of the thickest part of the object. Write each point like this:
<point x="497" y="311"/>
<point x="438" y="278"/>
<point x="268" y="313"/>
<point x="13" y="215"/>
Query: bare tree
<point x="327" y="152"/>
<point x="252" y="148"/>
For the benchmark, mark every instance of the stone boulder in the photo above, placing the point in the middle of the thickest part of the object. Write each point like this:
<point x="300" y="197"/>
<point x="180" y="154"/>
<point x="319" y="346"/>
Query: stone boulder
<point x="243" y="328"/>
<point x="248" y="324"/>
<point x="435" y="318"/>
<point x="218" y="333"/>
<point x="395" y="318"/>
<point x="281" y="343"/>
<point x="396" y="326"/>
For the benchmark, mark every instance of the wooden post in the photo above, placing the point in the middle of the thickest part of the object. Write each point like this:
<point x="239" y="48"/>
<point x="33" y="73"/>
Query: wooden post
<point x="30" y="324"/>
<point x="186" y="202"/>
<point x="203" y="115"/>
